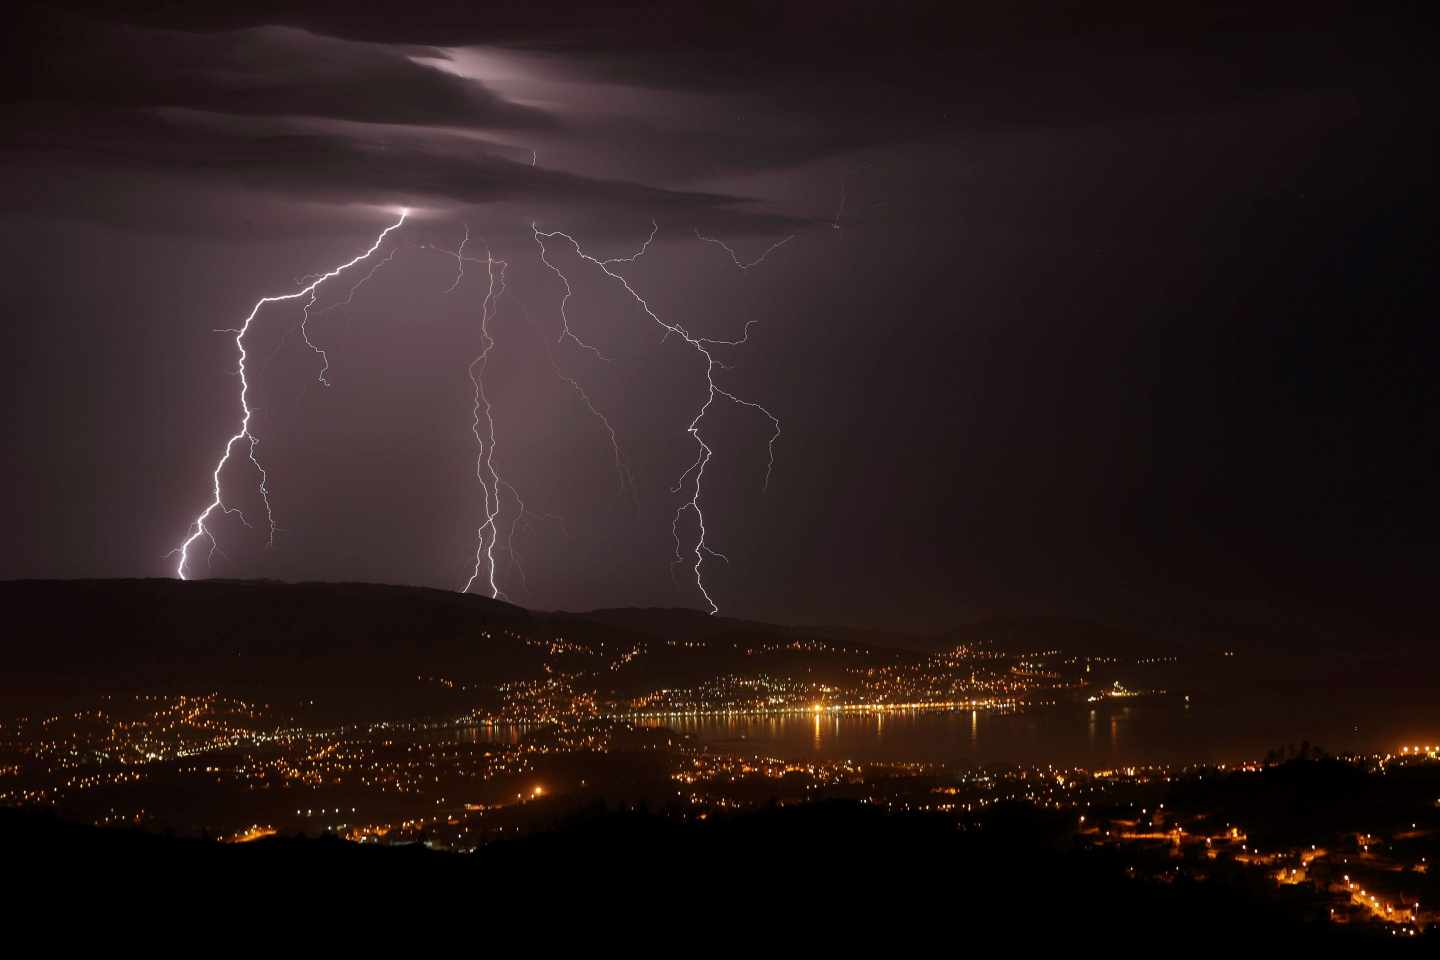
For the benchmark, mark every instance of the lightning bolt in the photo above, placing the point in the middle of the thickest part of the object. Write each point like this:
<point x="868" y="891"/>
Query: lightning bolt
<point x="488" y="531"/>
<point x="198" y="528"/>
<point x="695" y="473"/>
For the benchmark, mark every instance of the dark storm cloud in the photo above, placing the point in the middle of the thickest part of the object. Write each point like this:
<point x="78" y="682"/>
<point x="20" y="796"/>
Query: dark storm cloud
<point x="840" y="78"/>
<point x="878" y="72"/>
<point x="345" y="164"/>
<point x="264" y="71"/>
<point x="793" y="83"/>
<point x="285" y="111"/>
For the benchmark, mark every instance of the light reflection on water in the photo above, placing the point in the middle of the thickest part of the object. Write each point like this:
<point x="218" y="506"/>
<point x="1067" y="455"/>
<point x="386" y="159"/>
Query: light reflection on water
<point x="1233" y="727"/>
<point x="1161" y="730"/>
<point x="491" y="732"/>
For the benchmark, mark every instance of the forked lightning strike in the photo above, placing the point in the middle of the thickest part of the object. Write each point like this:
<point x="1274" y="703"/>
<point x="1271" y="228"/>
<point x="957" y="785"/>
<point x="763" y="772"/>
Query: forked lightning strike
<point x="702" y="346"/>
<point x="198" y="526"/>
<point x="489" y="530"/>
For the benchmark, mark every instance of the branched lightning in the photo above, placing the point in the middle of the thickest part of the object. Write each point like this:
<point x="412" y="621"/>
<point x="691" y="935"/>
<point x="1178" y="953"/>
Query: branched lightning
<point x="349" y="298"/>
<point x="774" y="422"/>
<point x="565" y="332"/>
<point x="644" y="247"/>
<point x="499" y="493"/>
<point x="622" y="469"/>
<point x="493" y="485"/>
<point x="743" y="265"/>
<point x="460" y="261"/>
<point x="695" y="473"/>
<point x="198" y="526"/>
<point x="523" y="515"/>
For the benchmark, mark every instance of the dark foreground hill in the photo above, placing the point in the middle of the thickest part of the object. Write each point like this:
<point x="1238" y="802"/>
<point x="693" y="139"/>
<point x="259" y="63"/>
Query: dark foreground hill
<point x="824" y="872"/>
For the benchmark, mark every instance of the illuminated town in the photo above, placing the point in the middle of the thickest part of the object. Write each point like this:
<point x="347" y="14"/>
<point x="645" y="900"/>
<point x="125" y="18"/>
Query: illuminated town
<point x="343" y="735"/>
<point x="239" y="771"/>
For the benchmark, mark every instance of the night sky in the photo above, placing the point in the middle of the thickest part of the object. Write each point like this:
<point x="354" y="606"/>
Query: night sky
<point x="1101" y="310"/>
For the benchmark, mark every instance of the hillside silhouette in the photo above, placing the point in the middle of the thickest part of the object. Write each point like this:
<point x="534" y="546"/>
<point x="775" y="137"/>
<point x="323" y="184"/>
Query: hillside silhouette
<point x="357" y="645"/>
